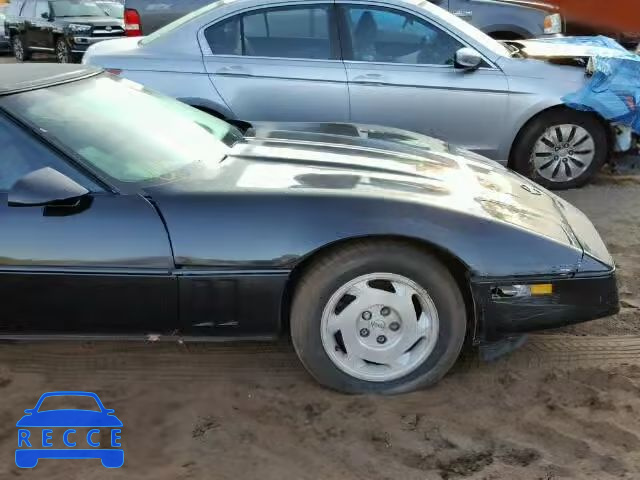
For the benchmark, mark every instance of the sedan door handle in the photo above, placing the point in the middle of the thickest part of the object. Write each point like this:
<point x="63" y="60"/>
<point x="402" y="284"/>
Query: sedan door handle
<point x="233" y="71"/>
<point x="370" y="79"/>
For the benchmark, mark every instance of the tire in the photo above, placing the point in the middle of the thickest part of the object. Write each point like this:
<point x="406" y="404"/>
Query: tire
<point x="322" y="284"/>
<point x="20" y="51"/>
<point x="536" y="159"/>
<point x="63" y="54"/>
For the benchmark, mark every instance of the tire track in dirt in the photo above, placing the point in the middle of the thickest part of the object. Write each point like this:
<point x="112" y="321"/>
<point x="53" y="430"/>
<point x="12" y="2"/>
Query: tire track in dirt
<point x="208" y="361"/>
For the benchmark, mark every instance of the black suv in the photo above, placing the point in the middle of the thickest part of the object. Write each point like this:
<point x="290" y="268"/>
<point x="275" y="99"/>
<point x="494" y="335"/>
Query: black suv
<point x="64" y="27"/>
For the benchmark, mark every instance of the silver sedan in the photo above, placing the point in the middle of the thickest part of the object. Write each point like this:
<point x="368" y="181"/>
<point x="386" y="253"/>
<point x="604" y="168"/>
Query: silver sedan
<point x="405" y="64"/>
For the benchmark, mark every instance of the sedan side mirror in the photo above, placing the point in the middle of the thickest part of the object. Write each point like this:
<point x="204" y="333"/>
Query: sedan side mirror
<point x="467" y="59"/>
<point x="45" y="186"/>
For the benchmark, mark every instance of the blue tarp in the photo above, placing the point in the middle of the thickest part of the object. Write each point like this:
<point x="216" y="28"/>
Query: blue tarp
<point x="614" y="88"/>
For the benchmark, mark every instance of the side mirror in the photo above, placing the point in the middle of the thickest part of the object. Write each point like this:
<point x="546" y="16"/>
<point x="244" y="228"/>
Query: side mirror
<point x="45" y="186"/>
<point x="467" y="59"/>
<point x="45" y="15"/>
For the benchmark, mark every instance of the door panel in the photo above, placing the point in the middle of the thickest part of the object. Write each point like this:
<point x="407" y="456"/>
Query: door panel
<point x="26" y="15"/>
<point x="101" y="266"/>
<point x="279" y="64"/>
<point x="400" y="73"/>
<point x="40" y="26"/>
<point x="101" y="269"/>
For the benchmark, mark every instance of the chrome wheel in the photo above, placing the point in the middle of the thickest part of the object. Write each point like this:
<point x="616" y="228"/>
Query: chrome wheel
<point x="563" y="153"/>
<point x="18" y="49"/>
<point x="379" y="327"/>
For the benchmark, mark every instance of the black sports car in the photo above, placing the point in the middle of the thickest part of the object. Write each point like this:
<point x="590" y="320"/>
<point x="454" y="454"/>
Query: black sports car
<point x="125" y="213"/>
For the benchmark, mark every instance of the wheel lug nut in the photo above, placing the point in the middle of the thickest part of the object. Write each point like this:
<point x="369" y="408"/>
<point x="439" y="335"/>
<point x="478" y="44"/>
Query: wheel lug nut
<point x="381" y="339"/>
<point x="394" y="326"/>
<point x="385" y="311"/>
<point x="364" y="332"/>
<point x="366" y="315"/>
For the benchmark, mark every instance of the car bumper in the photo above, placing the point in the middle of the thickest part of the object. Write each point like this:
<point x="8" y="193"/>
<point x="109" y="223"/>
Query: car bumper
<point x="80" y="44"/>
<point x="572" y="300"/>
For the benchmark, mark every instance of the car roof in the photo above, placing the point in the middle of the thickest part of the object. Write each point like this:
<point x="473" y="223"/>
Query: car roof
<point x="31" y="76"/>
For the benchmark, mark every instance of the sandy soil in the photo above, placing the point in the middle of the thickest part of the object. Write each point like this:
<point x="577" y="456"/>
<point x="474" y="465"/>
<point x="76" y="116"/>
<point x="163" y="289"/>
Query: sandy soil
<point x="613" y="205"/>
<point x="566" y="406"/>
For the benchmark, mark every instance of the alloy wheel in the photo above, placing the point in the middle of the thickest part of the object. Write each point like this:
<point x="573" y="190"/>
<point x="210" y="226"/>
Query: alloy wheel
<point x="563" y="152"/>
<point x="379" y="327"/>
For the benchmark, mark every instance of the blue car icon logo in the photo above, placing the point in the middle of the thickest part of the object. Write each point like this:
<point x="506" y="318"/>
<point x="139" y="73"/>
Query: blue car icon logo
<point x="84" y="434"/>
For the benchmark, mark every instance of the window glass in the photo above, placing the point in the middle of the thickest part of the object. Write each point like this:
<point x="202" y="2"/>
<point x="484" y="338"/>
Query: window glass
<point x="299" y="32"/>
<point x="14" y="7"/>
<point x="42" y="6"/>
<point x="134" y="136"/>
<point x="29" y="9"/>
<point x="224" y="37"/>
<point x="22" y="154"/>
<point x="112" y="9"/>
<point x="75" y="8"/>
<point x="382" y="35"/>
<point x="176" y="24"/>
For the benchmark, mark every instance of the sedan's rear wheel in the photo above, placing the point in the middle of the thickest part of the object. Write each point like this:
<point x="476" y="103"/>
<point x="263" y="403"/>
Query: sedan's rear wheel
<point x="378" y="317"/>
<point x="561" y="149"/>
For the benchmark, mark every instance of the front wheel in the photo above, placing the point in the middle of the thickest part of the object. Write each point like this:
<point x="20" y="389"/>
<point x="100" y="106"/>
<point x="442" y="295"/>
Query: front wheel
<point x="382" y="317"/>
<point x="63" y="54"/>
<point x="561" y="149"/>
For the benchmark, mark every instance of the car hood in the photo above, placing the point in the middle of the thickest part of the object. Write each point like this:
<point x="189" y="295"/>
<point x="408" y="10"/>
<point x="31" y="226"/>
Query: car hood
<point x="365" y="136"/>
<point x="344" y="159"/>
<point x="556" y="50"/>
<point x="69" y="418"/>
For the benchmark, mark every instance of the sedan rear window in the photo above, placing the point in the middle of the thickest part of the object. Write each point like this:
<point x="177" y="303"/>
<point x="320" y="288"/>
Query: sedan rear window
<point x="124" y="130"/>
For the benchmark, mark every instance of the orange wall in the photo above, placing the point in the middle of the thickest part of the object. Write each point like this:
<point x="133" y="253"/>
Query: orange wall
<point x="618" y="15"/>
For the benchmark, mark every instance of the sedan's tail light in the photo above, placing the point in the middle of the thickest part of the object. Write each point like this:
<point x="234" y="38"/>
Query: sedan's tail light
<point x="132" y="23"/>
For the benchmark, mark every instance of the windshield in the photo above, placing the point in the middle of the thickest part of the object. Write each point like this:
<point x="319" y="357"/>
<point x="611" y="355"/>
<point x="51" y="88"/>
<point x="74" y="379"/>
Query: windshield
<point x="76" y="8"/>
<point x="466" y="28"/>
<point x="129" y="133"/>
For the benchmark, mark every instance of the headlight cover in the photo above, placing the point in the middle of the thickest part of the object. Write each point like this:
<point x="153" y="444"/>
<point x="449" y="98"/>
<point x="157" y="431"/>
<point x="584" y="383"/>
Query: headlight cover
<point x="553" y="24"/>
<point x="79" y="28"/>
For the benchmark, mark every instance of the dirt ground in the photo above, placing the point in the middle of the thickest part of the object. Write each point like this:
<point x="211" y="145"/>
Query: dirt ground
<point x="565" y="406"/>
